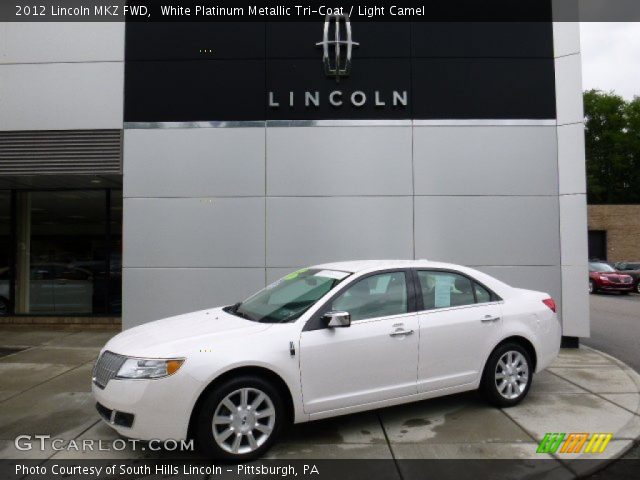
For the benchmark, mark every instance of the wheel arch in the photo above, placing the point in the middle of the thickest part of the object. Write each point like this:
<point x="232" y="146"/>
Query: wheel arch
<point x="253" y="370"/>
<point x="522" y="341"/>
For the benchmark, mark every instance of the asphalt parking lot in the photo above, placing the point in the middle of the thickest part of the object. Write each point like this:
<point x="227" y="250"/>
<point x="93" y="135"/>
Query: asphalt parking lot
<point x="615" y="326"/>
<point x="615" y="329"/>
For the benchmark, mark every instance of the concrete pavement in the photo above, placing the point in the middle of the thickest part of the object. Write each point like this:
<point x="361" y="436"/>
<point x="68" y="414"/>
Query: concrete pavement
<point x="45" y="384"/>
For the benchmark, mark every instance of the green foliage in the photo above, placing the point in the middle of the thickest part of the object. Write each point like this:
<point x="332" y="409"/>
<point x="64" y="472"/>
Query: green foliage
<point x="612" y="129"/>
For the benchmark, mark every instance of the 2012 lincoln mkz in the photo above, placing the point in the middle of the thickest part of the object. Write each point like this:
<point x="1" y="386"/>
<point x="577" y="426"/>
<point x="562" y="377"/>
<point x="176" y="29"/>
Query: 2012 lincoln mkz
<point x="321" y="342"/>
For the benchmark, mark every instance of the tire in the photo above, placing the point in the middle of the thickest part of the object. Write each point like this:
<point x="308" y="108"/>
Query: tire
<point x="638" y="287"/>
<point x="518" y="380"/>
<point x="256" y="433"/>
<point x="592" y="287"/>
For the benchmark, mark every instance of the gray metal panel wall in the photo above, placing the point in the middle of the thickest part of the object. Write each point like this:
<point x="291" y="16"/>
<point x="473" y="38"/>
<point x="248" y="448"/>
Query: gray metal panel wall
<point x="210" y="204"/>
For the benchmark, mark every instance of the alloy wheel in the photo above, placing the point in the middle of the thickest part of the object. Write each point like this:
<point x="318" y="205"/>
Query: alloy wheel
<point x="512" y="375"/>
<point x="243" y="421"/>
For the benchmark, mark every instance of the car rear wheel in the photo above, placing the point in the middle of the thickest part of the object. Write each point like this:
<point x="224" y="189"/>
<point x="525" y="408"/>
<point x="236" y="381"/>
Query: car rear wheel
<point x="592" y="287"/>
<point x="507" y="376"/>
<point x="240" y="420"/>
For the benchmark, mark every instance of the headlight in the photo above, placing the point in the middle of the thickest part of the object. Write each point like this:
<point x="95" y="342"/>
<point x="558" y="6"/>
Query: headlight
<point x="149" y="368"/>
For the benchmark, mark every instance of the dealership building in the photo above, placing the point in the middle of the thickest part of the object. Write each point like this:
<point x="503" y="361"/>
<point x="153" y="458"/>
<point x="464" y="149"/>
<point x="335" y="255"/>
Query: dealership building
<point x="150" y="169"/>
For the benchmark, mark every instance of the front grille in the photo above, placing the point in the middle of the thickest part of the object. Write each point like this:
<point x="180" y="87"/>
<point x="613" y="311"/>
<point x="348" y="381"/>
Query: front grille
<point x="106" y="368"/>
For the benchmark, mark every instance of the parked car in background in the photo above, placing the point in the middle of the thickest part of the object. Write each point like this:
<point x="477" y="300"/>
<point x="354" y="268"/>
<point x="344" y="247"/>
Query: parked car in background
<point x="630" y="268"/>
<point x="604" y="278"/>
<point x="321" y="342"/>
<point x="53" y="288"/>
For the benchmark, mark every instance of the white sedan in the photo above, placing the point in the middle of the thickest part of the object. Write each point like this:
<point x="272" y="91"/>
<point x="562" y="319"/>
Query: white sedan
<point x="324" y="341"/>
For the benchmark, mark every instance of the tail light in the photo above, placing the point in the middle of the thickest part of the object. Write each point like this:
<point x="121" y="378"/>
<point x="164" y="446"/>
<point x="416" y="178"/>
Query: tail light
<point x="550" y="302"/>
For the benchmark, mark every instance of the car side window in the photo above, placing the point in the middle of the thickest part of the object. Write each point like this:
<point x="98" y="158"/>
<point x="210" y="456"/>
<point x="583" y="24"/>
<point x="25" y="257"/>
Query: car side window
<point x="482" y="294"/>
<point x="379" y="295"/>
<point x="445" y="289"/>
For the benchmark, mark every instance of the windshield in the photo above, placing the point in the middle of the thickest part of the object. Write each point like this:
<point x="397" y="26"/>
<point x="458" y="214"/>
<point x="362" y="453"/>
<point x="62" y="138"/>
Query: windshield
<point x="288" y="298"/>
<point x="601" y="267"/>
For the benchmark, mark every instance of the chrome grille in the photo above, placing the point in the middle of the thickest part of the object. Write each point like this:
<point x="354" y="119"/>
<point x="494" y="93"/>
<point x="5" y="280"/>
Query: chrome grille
<point x="106" y="368"/>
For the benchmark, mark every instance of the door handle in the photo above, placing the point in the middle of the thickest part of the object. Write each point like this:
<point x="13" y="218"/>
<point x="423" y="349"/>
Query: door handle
<point x="489" y="319"/>
<point x="401" y="333"/>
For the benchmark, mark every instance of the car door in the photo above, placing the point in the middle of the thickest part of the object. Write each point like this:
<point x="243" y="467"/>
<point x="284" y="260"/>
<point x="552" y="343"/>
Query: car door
<point x="460" y="322"/>
<point x="373" y="359"/>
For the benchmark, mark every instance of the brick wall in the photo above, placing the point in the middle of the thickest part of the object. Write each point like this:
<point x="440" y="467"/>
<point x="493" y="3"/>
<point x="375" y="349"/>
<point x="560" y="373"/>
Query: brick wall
<point x="622" y="224"/>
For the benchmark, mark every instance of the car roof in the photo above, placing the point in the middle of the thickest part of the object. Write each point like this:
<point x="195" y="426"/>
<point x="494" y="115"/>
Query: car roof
<point x="357" y="266"/>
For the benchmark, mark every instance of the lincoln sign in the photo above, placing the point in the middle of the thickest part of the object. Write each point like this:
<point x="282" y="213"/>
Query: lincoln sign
<point x="337" y="98"/>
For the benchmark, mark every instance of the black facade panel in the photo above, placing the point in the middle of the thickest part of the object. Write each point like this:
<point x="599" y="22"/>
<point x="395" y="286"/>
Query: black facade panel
<point x="372" y="75"/>
<point x="193" y="40"/>
<point x="482" y="39"/>
<point x="448" y="70"/>
<point x="377" y="40"/>
<point x="483" y="88"/>
<point x="194" y="91"/>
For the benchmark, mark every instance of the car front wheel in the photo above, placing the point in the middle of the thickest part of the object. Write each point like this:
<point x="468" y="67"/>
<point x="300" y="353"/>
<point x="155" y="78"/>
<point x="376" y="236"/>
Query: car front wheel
<point x="592" y="287"/>
<point x="638" y="287"/>
<point x="240" y="420"/>
<point x="507" y="376"/>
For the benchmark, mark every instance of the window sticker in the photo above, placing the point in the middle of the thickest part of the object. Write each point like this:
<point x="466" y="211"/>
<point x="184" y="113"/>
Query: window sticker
<point x="444" y="284"/>
<point x="293" y="275"/>
<point x="332" y="274"/>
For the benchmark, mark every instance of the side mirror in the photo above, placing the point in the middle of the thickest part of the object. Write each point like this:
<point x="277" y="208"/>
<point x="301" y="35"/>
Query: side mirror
<point x="337" y="319"/>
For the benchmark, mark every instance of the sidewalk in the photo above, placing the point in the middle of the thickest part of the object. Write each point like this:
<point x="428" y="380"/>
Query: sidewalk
<point x="45" y="389"/>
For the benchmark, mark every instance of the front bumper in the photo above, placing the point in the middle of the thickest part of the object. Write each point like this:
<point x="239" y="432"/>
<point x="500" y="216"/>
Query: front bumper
<point x="617" y="287"/>
<point x="155" y="409"/>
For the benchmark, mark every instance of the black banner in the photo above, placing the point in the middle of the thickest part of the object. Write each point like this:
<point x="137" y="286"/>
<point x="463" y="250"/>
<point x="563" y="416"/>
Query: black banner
<point x="312" y="10"/>
<point x="374" y="469"/>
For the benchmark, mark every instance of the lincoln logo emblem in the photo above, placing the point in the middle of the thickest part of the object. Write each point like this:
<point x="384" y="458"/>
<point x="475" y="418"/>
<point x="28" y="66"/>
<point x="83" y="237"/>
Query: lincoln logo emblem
<point x="336" y="51"/>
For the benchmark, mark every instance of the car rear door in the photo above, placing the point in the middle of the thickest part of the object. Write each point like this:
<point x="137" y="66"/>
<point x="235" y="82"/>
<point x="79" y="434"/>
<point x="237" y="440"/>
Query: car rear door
<point x="460" y="322"/>
<point x="373" y="359"/>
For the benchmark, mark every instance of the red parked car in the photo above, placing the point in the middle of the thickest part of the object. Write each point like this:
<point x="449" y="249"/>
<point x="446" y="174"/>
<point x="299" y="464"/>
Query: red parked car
<point x="604" y="278"/>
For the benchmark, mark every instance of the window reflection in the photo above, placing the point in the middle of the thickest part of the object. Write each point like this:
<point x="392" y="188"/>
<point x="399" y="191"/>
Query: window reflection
<point x="5" y="252"/>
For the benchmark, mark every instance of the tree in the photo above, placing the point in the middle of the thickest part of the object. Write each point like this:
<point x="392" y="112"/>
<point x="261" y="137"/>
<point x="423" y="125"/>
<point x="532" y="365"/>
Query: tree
<point x="612" y="129"/>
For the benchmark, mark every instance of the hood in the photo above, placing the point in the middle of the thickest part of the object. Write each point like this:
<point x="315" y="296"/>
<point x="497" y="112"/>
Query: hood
<point x="182" y="334"/>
